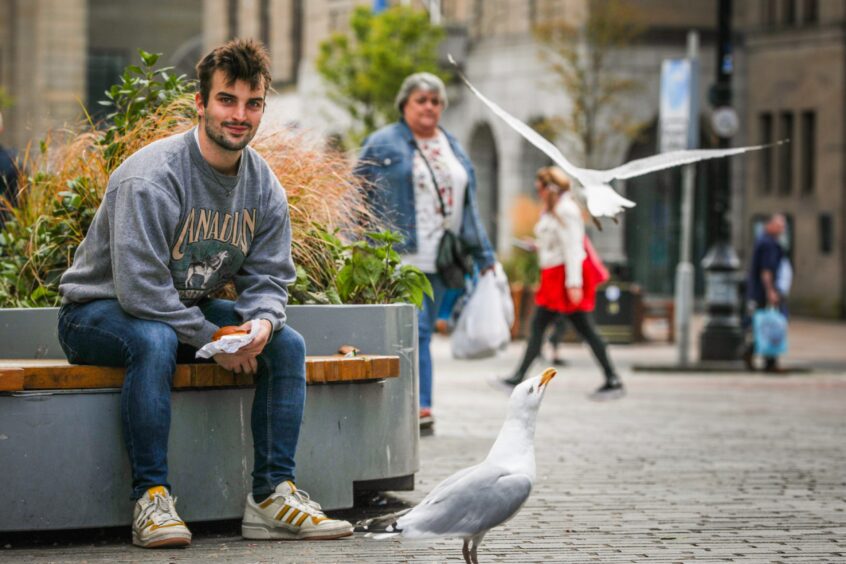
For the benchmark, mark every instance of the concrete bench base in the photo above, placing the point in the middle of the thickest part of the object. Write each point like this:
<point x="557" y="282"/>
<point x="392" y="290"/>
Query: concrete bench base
<point x="63" y="465"/>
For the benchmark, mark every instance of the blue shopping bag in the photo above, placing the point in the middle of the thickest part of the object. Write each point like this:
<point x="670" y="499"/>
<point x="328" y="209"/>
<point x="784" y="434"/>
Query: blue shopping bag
<point x="770" y="330"/>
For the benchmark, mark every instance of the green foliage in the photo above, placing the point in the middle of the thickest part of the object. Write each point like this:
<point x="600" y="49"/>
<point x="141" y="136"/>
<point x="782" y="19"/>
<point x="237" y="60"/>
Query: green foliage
<point x="5" y="100"/>
<point x="366" y="272"/>
<point x="522" y="267"/>
<point x="34" y="255"/>
<point x="364" y="72"/>
<point x="141" y="91"/>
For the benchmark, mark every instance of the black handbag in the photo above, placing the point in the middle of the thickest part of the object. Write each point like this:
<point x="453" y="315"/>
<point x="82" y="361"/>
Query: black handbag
<point x="453" y="261"/>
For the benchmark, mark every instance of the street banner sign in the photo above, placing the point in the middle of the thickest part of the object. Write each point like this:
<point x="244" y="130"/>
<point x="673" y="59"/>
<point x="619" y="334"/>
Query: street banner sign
<point x="677" y="128"/>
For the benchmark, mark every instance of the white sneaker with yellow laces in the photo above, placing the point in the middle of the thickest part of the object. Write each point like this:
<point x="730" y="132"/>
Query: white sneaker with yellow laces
<point x="155" y="522"/>
<point x="289" y="514"/>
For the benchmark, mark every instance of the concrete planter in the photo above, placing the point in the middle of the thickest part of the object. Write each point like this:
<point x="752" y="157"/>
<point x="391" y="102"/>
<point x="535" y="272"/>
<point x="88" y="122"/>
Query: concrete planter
<point x="69" y="443"/>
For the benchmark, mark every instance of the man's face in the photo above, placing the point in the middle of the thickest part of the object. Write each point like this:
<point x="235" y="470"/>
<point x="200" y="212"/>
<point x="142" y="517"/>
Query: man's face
<point x="233" y="113"/>
<point x="776" y="226"/>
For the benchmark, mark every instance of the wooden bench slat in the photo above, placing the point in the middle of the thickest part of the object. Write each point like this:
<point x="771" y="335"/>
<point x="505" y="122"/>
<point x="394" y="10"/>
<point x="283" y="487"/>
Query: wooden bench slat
<point x="11" y="380"/>
<point x="19" y="375"/>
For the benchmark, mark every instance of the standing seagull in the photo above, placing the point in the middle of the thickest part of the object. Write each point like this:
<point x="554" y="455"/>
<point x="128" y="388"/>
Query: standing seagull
<point x="473" y="501"/>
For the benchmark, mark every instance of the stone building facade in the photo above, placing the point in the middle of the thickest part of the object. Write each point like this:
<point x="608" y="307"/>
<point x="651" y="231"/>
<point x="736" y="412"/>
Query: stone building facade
<point x="56" y="55"/>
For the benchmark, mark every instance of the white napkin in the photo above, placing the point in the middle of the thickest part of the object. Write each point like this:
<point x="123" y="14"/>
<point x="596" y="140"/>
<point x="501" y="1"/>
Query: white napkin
<point x="229" y="343"/>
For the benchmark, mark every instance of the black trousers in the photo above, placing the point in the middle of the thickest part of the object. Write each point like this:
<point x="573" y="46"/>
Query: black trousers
<point x="583" y="323"/>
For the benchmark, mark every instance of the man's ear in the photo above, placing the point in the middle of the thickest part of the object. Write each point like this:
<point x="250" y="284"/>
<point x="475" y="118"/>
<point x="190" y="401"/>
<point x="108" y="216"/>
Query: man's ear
<point x="198" y="102"/>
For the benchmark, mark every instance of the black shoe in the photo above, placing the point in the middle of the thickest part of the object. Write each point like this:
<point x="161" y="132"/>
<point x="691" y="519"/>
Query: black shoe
<point x="774" y="368"/>
<point x="513" y="381"/>
<point x="503" y="384"/>
<point x="612" y="389"/>
<point x="558" y="362"/>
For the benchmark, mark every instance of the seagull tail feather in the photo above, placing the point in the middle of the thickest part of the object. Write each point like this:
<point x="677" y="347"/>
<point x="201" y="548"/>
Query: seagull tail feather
<point x="390" y="531"/>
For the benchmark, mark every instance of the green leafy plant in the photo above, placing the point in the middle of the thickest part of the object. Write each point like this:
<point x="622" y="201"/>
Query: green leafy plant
<point x="521" y="267"/>
<point x="368" y="271"/>
<point x="34" y="255"/>
<point x="373" y="273"/>
<point x="141" y="91"/>
<point x="364" y="71"/>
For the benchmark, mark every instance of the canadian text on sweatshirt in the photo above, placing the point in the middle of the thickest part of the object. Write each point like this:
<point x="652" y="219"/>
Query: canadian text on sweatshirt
<point x="171" y="230"/>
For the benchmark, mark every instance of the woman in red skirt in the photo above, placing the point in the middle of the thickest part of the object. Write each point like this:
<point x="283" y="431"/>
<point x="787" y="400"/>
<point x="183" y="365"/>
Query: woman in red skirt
<point x="570" y="273"/>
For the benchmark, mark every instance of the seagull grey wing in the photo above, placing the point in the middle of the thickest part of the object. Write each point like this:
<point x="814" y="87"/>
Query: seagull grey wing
<point x="449" y="481"/>
<point x="479" y="501"/>
<point x="527" y="132"/>
<point x="663" y="161"/>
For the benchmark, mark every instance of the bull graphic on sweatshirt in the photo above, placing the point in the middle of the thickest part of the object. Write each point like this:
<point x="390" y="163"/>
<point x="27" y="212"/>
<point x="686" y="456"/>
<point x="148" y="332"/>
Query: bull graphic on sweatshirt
<point x="205" y="269"/>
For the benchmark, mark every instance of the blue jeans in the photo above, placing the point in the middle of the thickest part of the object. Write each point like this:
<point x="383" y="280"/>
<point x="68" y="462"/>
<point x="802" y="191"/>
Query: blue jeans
<point x="425" y="326"/>
<point x="102" y="333"/>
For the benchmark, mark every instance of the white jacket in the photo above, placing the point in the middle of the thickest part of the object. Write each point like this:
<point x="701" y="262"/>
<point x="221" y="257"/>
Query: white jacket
<point x="560" y="239"/>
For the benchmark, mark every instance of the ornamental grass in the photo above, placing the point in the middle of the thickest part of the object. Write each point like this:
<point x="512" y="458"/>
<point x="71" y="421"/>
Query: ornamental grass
<point x="64" y="177"/>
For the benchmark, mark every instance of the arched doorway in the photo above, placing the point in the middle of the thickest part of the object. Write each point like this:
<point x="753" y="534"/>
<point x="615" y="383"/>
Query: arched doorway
<point x="653" y="226"/>
<point x="486" y="162"/>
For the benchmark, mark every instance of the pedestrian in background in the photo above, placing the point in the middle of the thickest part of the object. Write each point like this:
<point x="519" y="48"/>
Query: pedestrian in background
<point x="425" y="183"/>
<point x="769" y="269"/>
<point x="570" y="272"/>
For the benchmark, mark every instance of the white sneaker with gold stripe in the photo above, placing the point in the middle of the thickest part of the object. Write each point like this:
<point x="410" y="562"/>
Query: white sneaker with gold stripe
<point x="155" y="522"/>
<point x="289" y="514"/>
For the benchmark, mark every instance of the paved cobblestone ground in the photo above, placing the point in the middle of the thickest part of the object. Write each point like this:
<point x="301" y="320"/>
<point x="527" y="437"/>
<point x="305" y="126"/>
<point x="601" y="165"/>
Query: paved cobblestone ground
<point x="686" y="468"/>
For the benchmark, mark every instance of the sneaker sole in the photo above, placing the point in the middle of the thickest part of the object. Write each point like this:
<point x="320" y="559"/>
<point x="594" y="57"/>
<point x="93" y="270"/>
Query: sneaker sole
<point x="256" y="531"/>
<point x="175" y="540"/>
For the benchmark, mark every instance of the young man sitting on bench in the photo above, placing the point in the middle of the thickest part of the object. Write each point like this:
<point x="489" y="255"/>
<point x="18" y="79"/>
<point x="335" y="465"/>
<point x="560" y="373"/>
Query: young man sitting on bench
<point x="180" y="218"/>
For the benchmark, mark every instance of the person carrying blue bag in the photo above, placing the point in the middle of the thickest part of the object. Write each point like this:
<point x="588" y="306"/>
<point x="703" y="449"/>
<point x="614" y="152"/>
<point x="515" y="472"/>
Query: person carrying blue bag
<point x="767" y="302"/>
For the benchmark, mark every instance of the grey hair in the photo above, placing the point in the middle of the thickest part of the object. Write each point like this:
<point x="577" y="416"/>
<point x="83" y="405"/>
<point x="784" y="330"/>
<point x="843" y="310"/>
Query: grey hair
<point x="425" y="81"/>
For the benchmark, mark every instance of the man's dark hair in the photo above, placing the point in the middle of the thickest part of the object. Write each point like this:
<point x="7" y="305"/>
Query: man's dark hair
<point x="239" y="59"/>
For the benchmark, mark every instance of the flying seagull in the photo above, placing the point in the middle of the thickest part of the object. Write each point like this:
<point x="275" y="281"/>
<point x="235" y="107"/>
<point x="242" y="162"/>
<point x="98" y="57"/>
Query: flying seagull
<point x="472" y="501"/>
<point x="600" y="198"/>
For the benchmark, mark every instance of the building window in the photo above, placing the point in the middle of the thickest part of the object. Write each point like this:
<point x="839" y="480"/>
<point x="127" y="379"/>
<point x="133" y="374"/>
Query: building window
<point x="788" y="12"/>
<point x="810" y="11"/>
<point x="785" y="169"/>
<point x="826" y="234"/>
<point x="104" y="69"/>
<point x="232" y="17"/>
<point x="264" y="22"/>
<point x="768" y="13"/>
<point x="765" y="132"/>
<point x="808" y="151"/>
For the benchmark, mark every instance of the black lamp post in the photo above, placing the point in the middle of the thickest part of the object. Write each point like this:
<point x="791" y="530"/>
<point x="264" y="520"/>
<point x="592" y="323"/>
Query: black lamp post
<point x="722" y="338"/>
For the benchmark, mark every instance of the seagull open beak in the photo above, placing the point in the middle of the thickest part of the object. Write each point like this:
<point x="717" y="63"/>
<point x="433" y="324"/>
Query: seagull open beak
<point x="547" y="375"/>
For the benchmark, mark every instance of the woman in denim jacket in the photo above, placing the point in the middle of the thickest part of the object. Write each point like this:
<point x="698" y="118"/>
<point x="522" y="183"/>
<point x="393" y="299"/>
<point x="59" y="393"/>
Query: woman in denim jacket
<point x="405" y="163"/>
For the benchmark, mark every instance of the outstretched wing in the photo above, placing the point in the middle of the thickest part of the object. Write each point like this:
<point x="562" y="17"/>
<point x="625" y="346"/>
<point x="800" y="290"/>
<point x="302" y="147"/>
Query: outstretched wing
<point x="600" y="197"/>
<point x="530" y="134"/>
<point x="663" y="161"/>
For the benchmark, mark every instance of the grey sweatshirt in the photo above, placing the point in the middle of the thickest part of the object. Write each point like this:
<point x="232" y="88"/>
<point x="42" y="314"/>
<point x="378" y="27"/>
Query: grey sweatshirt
<point x="170" y="230"/>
